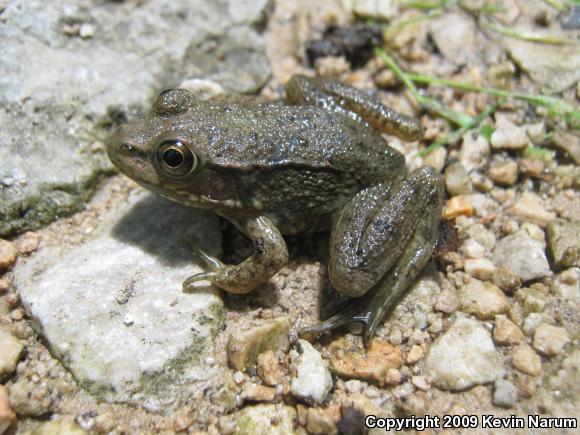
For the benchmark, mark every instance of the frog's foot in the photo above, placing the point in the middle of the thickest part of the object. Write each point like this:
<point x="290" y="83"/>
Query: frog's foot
<point x="211" y="262"/>
<point x="367" y="310"/>
<point x="270" y="254"/>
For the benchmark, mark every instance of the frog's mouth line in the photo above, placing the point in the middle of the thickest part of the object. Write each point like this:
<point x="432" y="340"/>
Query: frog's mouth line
<point x="184" y="197"/>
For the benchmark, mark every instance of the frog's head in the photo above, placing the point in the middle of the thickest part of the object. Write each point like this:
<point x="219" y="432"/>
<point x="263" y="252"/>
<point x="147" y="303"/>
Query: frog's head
<point x="163" y="152"/>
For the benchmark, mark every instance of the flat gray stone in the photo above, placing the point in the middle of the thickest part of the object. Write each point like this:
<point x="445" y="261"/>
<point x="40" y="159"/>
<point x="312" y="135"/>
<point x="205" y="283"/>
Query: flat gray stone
<point x="112" y="308"/>
<point x="464" y="356"/>
<point x="70" y="70"/>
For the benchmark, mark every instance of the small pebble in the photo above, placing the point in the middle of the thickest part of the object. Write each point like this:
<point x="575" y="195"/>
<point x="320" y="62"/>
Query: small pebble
<point x="12" y="300"/>
<point x="531" y="167"/>
<point x="457" y="206"/>
<point x="257" y="393"/>
<point x="457" y="181"/>
<point x="506" y="332"/>
<point x="567" y="284"/>
<point x="350" y="359"/>
<point x="353" y="386"/>
<point x="386" y="79"/>
<point x="531" y="323"/>
<point x="506" y="280"/>
<point x="396" y="337"/>
<point x="128" y="320"/>
<point x="415" y="354"/>
<point x="473" y="249"/>
<point x="12" y="349"/>
<point x="28" y="243"/>
<point x="522" y="255"/>
<point x="87" y="30"/>
<point x="17" y="314"/>
<point x="505" y="393"/>
<point x="331" y="67"/>
<point x="480" y="268"/>
<point x="564" y="243"/>
<point x="481" y="182"/>
<point x="5" y="284"/>
<point x="447" y="302"/>
<point x="7" y="415"/>
<point x="531" y="300"/>
<point x="474" y="151"/>
<point x="269" y="369"/>
<point x="503" y="172"/>
<point x="393" y="377"/>
<point x="8" y="254"/>
<point x="239" y="377"/>
<point x="550" y="340"/>
<point x="420" y="382"/>
<point x="536" y="132"/>
<point x="508" y="136"/>
<point x="202" y="89"/>
<point x="482" y="299"/>
<point x="529" y="208"/>
<point x="312" y="381"/>
<point x="436" y="159"/>
<point x="526" y="360"/>
<point x="320" y="422"/>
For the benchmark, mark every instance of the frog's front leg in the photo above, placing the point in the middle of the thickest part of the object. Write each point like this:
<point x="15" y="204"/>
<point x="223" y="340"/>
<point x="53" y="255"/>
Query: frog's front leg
<point x="270" y="254"/>
<point x="379" y="243"/>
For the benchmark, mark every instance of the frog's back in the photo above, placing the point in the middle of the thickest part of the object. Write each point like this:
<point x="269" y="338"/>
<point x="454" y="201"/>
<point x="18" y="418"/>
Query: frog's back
<point x="298" y="165"/>
<point x="272" y="137"/>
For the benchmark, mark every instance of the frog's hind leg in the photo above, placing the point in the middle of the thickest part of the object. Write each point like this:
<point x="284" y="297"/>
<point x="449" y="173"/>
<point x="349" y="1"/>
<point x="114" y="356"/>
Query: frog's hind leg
<point x="370" y="308"/>
<point x="354" y="103"/>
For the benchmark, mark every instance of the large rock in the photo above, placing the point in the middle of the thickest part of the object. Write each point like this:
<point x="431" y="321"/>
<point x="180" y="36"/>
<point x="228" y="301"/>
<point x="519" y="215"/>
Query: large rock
<point x="72" y="69"/>
<point x="112" y="308"/>
<point x="463" y="357"/>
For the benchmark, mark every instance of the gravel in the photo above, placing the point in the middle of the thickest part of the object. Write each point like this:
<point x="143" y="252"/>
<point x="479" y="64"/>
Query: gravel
<point x="244" y="347"/>
<point x="8" y="254"/>
<point x="464" y="356"/>
<point x="525" y="359"/>
<point x="12" y="349"/>
<point x="505" y="393"/>
<point x="312" y="381"/>
<point x="564" y="243"/>
<point x="522" y="255"/>
<point x="550" y="340"/>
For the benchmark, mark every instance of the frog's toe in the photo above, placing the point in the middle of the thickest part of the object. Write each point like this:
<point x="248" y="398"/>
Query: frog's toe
<point x="363" y="310"/>
<point x="203" y="276"/>
<point x="212" y="262"/>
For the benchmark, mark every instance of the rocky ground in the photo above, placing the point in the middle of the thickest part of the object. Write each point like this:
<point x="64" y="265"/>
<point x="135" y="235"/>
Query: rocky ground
<point x="95" y="332"/>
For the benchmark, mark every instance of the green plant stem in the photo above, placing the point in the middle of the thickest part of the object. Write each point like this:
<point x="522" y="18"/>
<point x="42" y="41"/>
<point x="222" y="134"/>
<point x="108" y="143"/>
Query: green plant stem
<point x="528" y="36"/>
<point x="428" y="103"/>
<point x="457" y="134"/>
<point x="557" y="4"/>
<point x="426" y="4"/>
<point x="551" y="103"/>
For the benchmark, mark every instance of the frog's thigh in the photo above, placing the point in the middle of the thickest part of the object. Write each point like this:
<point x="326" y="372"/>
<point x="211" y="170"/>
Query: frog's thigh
<point x="338" y="97"/>
<point x="375" y="228"/>
<point x="270" y="254"/>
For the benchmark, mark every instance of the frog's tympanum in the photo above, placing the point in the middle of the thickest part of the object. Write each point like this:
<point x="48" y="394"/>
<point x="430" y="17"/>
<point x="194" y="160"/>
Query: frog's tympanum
<point x="316" y="163"/>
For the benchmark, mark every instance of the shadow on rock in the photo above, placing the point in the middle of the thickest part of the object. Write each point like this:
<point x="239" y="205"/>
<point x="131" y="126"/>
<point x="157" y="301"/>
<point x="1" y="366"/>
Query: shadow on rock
<point x="168" y="230"/>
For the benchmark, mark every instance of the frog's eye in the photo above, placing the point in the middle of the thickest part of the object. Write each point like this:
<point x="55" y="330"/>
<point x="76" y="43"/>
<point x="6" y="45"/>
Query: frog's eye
<point x="175" y="159"/>
<point x="173" y="102"/>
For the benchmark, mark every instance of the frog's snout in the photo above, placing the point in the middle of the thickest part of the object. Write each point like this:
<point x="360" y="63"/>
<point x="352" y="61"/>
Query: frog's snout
<point x="115" y="144"/>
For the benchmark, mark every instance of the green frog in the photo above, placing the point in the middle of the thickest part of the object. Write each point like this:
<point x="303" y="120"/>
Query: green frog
<point x="315" y="162"/>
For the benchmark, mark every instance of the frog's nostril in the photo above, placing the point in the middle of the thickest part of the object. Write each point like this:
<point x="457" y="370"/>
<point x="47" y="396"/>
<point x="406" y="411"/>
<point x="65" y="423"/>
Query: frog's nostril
<point x="127" y="146"/>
